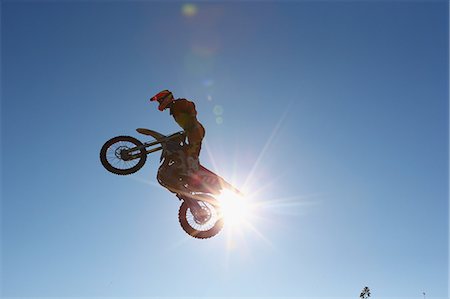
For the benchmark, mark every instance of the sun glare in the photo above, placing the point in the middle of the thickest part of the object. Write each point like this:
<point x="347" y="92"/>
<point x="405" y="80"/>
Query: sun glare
<point x="234" y="207"/>
<point x="189" y="10"/>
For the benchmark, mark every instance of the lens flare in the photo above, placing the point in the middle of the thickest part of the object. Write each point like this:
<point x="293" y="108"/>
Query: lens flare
<point x="189" y="10"/>
<point x="234" y="208"/>
<point x="218" y="110"/>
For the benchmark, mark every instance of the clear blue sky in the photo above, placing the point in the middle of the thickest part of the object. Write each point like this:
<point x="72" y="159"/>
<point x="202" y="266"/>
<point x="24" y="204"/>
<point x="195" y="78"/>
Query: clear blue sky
<point x="335" y="111"/>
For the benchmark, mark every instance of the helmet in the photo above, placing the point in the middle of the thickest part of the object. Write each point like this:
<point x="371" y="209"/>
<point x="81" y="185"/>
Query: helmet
<point x="164" y="98"/>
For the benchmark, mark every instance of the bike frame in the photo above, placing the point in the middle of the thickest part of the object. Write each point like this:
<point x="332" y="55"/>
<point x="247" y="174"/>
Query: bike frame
<point x="128" y="153"/>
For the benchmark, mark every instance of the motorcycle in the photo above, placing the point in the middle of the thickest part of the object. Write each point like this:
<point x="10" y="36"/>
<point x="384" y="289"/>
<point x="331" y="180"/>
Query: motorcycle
<point x="199" y="215"/>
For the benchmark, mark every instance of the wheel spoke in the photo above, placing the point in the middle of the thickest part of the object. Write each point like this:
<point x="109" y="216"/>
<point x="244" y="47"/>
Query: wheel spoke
<point x="112" y="159"/>
<point x="205" y="226"/>
<point x="117" y="162"/>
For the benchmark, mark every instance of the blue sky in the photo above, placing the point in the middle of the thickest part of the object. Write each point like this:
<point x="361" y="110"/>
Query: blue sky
<point x="334" y="112"/>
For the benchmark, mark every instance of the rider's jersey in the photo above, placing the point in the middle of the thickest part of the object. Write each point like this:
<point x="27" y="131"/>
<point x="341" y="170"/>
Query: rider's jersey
<point x="184" y="113"/>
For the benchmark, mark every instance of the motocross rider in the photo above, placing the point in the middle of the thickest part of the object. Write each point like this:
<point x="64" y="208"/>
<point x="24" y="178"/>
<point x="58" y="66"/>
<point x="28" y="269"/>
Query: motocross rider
<point x="184" y="113"/>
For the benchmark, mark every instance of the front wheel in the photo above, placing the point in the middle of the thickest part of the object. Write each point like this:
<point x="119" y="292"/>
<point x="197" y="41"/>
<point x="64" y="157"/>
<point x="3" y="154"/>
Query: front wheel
<point x="123" y="155"/>
<point x="202" y="224"/>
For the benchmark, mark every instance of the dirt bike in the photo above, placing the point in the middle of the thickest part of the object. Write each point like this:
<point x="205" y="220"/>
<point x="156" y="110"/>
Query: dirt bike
<point x="199" y="214"/>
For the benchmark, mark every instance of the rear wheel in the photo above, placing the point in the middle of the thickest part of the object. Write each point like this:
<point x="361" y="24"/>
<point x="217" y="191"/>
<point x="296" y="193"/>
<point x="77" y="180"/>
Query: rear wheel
<point x="117" y="158"/>
<point x="202" y="223"/>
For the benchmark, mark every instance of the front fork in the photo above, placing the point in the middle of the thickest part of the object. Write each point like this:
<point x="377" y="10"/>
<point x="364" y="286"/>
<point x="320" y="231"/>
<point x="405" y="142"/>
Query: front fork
<point x="136" y="152"/>
<point x="130" y="154"/>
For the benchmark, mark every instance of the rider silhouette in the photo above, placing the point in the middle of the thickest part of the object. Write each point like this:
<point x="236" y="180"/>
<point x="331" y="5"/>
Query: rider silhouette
<point x="184" y="113"/>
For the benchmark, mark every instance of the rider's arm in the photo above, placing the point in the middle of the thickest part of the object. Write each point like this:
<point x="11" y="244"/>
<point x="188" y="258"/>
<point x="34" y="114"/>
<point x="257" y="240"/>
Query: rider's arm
<point x="195" y="137"/>
<point x="186" y="116"/>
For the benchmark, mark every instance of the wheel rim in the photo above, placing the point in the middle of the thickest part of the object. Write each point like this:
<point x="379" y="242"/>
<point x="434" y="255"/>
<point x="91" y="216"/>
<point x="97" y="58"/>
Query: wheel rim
<point x="203" y="216"/>
<point x="203" y="220"/>
<point x="116" y="155"/>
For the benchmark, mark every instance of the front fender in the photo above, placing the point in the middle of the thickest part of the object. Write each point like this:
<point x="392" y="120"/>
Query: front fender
<point x="152" y="133"/>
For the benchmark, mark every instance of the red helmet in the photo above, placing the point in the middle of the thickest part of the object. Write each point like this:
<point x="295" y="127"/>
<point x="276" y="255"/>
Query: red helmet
<point x="164" y="98"/>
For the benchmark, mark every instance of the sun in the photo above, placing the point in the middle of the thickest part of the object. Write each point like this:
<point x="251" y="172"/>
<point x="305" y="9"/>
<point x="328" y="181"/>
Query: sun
<point x="235" y="208"/>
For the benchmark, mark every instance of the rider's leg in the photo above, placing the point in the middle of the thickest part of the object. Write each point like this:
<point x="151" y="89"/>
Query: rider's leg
<point x="170" y="178"/>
